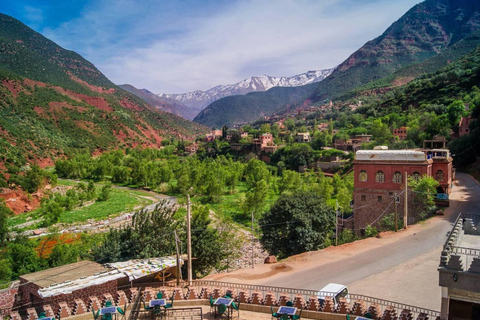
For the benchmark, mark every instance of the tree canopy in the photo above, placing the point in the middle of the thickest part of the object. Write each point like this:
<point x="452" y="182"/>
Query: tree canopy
<point x="297" y="222"/>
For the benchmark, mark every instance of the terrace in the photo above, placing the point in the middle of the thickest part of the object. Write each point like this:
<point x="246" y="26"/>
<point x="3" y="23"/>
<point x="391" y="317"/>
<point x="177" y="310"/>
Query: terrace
<point x="459" y="269"/>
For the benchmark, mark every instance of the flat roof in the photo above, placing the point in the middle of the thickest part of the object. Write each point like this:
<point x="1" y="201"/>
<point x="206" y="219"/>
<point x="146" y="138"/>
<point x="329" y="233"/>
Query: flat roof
<point x="61" y="274"/>
<point x="390" y="155"/>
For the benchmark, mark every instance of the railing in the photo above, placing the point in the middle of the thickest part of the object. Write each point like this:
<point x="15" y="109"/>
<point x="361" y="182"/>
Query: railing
<point x="291" y="293"/>
<point x="194" y="313"/>
<point x="466" y="251"/>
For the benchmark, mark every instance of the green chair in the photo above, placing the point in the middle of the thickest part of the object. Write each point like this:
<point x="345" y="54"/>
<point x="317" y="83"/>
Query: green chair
<point x="297" y="317"/>
<point x="122" y="311"/>
<point x="284" y="317"/>
<point x="160" y="295"/>
<point x="43" y="315"/>
<point x="107" y="316"/>
<point x="95" y="314"/>
<point x="221" y="309"/>
<point x="236" y="307"/>
<point x="274" y="314"/>
<point x="228" y="295"/>
<point x="289" y="303"/>
<point x="211" y="304"/>
<point x="169" y="305"/>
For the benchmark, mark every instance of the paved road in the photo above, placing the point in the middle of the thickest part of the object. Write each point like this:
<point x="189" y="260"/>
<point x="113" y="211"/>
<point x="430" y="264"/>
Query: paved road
<point x="426" y="238"/>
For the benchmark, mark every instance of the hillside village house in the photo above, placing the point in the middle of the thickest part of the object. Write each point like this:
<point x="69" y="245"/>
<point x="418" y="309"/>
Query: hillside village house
<point x="303" y="137"/>
<point x="380" y="174"/>
<point x="400" y="133"/>
<point x="464" y="126"/>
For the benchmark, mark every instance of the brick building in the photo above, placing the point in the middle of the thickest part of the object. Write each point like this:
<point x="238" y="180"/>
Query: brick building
<point x="380" y="174"/>
<point x="400" y="133"/>
<point x="86" y="279"/>
<point x="464" y="126"/>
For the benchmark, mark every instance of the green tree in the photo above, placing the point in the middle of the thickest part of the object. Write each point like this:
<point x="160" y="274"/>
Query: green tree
<point x="425" y="189"/>
<point x="4" y="213"/>
<point x="297" y="222"/>
<point x="5" y="273"/>
<point x="62" y="254"/>
<point x="105" y="192"/>
<point x="206" y="246"/>
<point x="22" y="257"/>
<point x="33" y="179"/>
<point x="256" y="198"/>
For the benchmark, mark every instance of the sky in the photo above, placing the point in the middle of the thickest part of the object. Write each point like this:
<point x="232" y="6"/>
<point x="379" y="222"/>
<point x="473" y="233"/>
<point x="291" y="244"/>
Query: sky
<point x="177" y="46"/>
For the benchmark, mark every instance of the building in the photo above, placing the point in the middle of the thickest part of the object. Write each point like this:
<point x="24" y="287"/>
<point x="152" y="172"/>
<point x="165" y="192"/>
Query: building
<point x="438" y="142"/>
<point x="303" y="137"/>
<point x="459" y="270"/>
<point x="266" y="139"/>
<point x="464" y="126"/>
<point x="400" y="133"/>
<point x="382" y="174"/>
<point x="84" y="279"/>
<point x="192" y="148"/>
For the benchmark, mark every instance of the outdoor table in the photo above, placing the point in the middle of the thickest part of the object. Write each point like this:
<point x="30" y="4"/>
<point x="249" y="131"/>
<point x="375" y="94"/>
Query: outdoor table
<point x="155" y="306"/>
<point x="157" y="303"/>
<point x="227" y="302"/>
<point x="108" y="311"/>
<point x="284" y="310"/>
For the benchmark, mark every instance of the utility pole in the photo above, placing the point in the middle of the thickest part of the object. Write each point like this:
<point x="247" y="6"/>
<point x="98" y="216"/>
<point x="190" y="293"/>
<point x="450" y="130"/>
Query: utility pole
<point x="396" y="214"/>
<point x="178" y="258"/>
<point x="189" y="241"/>
<point x="336" y="223"/>
<point x="406" y="202"/>
<point x="253" y="259"/>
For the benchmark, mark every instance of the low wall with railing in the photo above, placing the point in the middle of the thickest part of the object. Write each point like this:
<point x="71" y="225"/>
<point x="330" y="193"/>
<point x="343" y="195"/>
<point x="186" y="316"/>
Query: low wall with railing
<point x="250" y="297"/>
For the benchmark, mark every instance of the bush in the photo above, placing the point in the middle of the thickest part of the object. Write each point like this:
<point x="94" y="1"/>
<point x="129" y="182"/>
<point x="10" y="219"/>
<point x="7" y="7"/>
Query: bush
<point x="105" y="192"/>
<point x="371" y="231"/>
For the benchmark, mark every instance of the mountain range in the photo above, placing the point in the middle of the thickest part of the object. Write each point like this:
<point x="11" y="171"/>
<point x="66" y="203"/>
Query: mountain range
<point x="54" y="102"/>
<point x="198" y="99"/>
<point x="425" y="31"/>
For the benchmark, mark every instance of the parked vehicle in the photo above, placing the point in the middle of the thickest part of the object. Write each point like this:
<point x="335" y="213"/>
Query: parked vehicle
<point x="334" y="290"/>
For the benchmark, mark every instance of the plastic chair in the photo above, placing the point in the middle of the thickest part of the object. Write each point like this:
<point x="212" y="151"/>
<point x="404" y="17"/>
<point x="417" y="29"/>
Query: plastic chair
<point x="95" y="315"/>
<point x="274" y="314"/>
<point x="160" y="295"/>
<point x="43" y="315"/>
<point x="289" y="303"/>
<point x="221" y="309"/>
<point x="122" y="312"/>
<point x="211" y="304"/>
<point x="169" y="305"/>
<point x="236" y="307"/>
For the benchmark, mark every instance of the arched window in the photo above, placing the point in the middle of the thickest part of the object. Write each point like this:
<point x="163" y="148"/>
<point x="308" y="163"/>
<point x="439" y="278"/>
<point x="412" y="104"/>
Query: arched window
<point x="380" y="176"/>
<point x="416" y="175"/>
<point x="397" y="177"/>
<point x="362" y="176"/>
<point x="439" y="175"/>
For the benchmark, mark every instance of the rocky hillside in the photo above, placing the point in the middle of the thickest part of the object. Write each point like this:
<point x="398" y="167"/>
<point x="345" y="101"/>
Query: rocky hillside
<point x="54" y="102"/>
<point x="425" y="31"/>
<point x="200" y="99"/>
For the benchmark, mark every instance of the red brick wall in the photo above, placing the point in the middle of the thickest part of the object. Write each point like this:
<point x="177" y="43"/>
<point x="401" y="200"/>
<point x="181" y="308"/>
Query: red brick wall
<point x="369" y="210"/>
<point x="31" y="290"/>
<point x="7" y="299"/>
<point x="388" y="170"/>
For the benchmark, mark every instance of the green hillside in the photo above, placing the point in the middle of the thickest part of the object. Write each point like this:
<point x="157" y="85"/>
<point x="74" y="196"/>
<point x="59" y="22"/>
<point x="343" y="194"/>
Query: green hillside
<point x="54" y="102"/>
<point x="247" y="108"/>
<point x="424" y="31"/>
<point x="422" y="34"/>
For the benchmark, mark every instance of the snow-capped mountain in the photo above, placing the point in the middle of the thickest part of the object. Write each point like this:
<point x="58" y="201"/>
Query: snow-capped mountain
<point x="200" y="99"/>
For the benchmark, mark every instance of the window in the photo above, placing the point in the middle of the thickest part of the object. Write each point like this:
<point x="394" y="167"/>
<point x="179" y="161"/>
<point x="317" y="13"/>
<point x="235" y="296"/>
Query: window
<point x="379" y="199"/>
<point x="362" y="176"/>
<point x="364" y="197"/>
<point x="380" y="176"/>
<point x="397" y="177"/>
<point x="439" y="175"/>
<point x="416" y="175"/>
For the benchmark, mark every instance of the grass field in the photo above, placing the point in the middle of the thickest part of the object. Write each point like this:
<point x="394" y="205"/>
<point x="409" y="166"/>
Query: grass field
<point x="121" y="200"/>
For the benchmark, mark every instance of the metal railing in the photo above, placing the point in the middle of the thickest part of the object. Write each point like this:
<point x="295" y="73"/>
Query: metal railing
<point x="193" y="313"/>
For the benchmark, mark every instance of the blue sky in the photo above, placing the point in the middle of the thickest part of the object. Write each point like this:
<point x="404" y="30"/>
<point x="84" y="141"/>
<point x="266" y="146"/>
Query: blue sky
<point x="178" y="46"/>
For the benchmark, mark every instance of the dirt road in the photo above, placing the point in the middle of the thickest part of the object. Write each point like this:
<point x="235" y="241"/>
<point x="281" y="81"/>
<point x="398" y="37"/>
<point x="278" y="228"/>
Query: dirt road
<point x="399" y="266"/>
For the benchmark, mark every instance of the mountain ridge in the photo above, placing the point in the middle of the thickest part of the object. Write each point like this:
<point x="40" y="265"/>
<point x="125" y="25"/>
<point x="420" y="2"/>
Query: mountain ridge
<point x="199" y="99"/>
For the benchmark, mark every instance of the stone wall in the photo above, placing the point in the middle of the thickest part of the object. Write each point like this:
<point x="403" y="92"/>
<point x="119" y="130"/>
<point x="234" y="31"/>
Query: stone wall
<point x="7" y="299"/>
<point x="29" y="294"/>
<point x="370" y="204"/>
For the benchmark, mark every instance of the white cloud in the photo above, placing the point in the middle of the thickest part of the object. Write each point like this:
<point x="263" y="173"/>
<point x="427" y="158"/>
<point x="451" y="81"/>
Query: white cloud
<point x="167" y="51"/>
